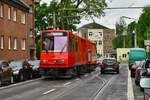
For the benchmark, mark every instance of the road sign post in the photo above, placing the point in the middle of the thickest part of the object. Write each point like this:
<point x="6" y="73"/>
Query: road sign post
<point x="147" y="44"/>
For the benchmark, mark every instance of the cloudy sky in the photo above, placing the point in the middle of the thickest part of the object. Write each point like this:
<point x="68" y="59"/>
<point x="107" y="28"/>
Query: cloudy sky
<point x="112" y="16"/>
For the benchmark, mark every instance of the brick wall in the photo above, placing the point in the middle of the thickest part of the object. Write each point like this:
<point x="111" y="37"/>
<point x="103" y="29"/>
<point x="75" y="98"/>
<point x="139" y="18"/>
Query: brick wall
<point x="9" y="28"/>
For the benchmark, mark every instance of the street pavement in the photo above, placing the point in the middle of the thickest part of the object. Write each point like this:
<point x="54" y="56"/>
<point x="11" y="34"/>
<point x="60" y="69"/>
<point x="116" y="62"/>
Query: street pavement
<point x="93" y="86"/>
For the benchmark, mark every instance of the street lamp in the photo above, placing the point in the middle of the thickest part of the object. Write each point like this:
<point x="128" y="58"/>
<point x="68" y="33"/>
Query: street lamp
<point x="135" y="41"/>
<point x="134" y="31"/>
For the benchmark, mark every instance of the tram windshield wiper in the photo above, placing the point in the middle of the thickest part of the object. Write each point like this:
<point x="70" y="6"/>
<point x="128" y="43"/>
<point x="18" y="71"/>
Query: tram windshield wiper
<point x="63" y="48"/>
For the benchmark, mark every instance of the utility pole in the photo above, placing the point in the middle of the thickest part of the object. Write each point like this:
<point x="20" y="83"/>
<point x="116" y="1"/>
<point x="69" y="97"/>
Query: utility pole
<point x="54" y="20"/>
<point x="135" y="40"/>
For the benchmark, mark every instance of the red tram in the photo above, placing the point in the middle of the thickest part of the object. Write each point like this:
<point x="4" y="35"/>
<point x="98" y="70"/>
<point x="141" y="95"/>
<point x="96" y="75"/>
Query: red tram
<point x="65" y="54"/>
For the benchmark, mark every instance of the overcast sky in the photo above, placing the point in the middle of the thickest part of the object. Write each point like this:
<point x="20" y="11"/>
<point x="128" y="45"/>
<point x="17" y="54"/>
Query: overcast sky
<point x="112" y="16"/>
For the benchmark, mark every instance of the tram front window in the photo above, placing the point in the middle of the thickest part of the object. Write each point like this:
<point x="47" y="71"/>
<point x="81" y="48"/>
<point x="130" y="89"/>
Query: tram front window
<point x="55" y="44"/>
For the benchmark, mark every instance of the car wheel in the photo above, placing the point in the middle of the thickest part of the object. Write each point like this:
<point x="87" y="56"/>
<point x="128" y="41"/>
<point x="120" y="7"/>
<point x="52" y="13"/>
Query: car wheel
<point x="11" y="80"/>
<point x="0" y="83"/>
<point x="136" y="82"/>
<point x="21" y="77"/>
<point x="31" y="76"/>
<point x="132" y="75"/>
<point x="142" y="89"/>
<point x="102" y="72"/>
<point x="118" y="72"/>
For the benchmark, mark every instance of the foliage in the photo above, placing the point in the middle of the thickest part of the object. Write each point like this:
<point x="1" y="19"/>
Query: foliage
<point x="65" y="19"/>
<point x="130" y="35"/>
<point x="120" y="26"/>
<point x="120" y="29"/>
<point x="118" y="41"/>
<point x="143" y="27"/>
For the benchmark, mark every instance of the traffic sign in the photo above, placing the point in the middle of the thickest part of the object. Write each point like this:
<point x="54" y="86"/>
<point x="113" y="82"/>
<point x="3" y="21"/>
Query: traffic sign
<point x="147" y="42"/>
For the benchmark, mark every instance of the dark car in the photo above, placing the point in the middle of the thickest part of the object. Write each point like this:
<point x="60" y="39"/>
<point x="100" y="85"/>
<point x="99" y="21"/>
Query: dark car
<point x="137" y="72"/>
<point x="22" y="70"/>
<point x="35" y="66"/>
<point x="5" y="73"/>
<point x="145" y="68"/>
<point x="109" y="65"/>
<point x="134" y="67"/>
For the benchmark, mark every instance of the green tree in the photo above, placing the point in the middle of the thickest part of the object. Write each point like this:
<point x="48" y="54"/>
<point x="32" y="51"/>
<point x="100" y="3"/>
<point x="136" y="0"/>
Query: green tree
<point x="120" y="29"/>
<point x="120" y="26"/>
<point x="65" y="19"/>
<point x="143" y="27"/>
<point x="130" y="36"/>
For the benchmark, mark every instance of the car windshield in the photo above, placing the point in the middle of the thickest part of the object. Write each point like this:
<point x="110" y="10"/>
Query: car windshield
<point x="109" y="61"/>
<point x="35" y="63"/>
<point x="137" y="63"/>
<point x="16" y="64"/>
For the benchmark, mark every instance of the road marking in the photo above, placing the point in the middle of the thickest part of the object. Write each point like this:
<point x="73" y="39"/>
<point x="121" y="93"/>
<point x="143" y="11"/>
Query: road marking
<point x="130" y="94"/>
<point x="77" y="79"/>
<point x="67" y="83"/>
<point x="103" y="87"/>
<point x="18" y="84"/>
<point x="86" y="75"/>
<point x="49" y="91"/>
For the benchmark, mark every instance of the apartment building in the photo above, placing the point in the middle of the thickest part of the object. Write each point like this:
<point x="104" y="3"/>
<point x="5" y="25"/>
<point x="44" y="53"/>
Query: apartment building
<point x="108" y="37"/>
<point x="17" y="30"/>
<point x="98" y="34"/>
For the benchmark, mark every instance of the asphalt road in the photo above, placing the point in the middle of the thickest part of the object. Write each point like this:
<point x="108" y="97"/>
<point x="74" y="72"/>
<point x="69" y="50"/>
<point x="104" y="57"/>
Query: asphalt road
<point x="93" y="86"/>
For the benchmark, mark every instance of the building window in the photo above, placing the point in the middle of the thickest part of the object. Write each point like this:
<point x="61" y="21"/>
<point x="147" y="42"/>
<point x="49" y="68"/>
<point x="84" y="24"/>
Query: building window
<point x="124" y="55"/>
<point x="1" y="10"/>
<point x="100" y="33"/>
<point x="2" y="42"/>
<point x="15" y="15"/>
<point x="90" y="33"/>
<point x="9" y="13"/>
<point x="15" y="43"/>
<point x="31" y="9"/>
<point x="100" y="42"/>
<point x="9" y="43"/>
<point x="23" y="44"/>
<point x="23" y="18"/>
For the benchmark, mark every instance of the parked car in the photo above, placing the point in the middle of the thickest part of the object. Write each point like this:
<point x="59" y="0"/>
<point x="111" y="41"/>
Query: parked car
<point x="134" y="67"/>
<point x="99" y="61"/>
<point x="146" y="68"/>
<point x="145" y="84"/>
<point x="5" y="73"/>
<point x="22" y="70"/>
<point x="35" y="66"/>
<point x="137" y="72"/>
<point x="109" y="65"/>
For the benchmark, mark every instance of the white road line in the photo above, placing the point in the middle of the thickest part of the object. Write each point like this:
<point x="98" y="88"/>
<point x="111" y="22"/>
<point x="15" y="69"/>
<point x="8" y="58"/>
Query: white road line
<point x="86" y="75"/>
<point x="130" y="94"/>
<point x="67" y="83"/>
<point x="77" y="79"/>
<point x="49" y="91"/>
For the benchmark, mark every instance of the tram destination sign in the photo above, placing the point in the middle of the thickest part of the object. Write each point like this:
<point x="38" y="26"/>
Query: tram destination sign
<point x="55" y="33"/>
<point x="147" y="42"/>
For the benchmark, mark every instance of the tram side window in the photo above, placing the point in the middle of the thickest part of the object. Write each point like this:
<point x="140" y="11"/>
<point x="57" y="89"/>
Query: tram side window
<point x="77" y="48"/>
<point x="71" y="45"/>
